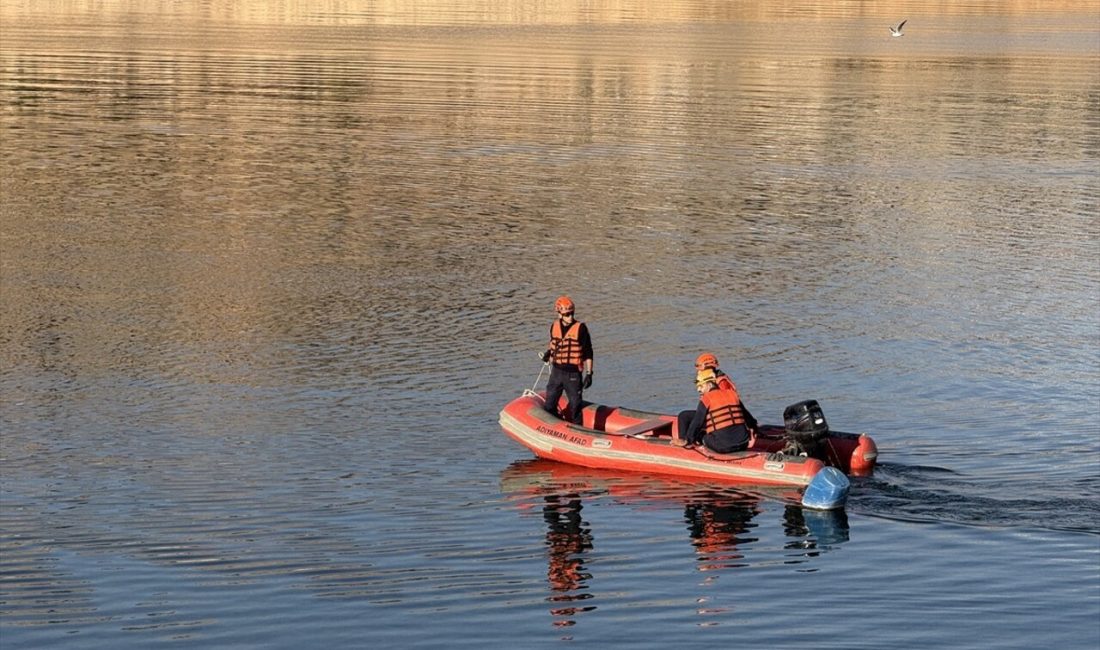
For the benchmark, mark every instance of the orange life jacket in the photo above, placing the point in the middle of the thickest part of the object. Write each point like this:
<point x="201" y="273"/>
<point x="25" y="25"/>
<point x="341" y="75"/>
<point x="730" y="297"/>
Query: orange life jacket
<point x="724" y="382"/>
<point x="723" y="409"/>
<point x="567" y="347"/>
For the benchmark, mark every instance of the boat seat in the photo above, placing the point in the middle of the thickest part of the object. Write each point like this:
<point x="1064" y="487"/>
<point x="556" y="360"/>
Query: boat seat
<point x="645" y="426"/>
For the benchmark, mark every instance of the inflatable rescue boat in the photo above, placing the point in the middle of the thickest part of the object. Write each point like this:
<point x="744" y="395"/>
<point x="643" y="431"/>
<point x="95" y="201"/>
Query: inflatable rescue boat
<point x="802" y="453"/>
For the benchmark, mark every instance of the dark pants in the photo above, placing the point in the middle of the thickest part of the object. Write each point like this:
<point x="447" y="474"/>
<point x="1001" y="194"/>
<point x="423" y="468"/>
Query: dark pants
<point x="728" y="440"/>
<point x="683" y="421"/>
<point x="563" y="379"/>
<point x="723" y="441"/>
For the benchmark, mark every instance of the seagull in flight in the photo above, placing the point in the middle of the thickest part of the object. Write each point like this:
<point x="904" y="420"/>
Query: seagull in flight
<point x="896" y="31"/>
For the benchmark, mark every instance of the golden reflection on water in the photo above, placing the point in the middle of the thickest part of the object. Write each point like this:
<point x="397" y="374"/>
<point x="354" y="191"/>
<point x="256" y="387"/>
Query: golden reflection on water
<point x="509" y="12"/>
<point x="199" y="159"/>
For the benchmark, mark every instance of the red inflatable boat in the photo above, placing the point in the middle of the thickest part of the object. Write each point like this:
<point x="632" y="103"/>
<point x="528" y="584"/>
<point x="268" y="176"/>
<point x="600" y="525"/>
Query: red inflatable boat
<point x="614" y="437"/>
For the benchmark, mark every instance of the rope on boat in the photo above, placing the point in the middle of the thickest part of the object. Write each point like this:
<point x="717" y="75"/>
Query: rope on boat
<point x="833" y="453"/>
<point x="531" y="392"/>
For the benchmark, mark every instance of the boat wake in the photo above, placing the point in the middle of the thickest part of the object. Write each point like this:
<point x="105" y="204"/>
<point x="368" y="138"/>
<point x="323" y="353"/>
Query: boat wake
<point x="934" y="494"/>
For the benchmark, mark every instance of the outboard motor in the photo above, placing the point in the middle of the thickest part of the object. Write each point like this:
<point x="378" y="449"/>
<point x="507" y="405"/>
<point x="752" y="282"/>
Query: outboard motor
<point x="805" y="428"/>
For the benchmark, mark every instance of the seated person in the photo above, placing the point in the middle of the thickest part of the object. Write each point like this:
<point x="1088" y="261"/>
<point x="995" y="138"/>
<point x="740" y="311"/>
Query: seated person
<point x="719" y="421"/>
<point x="708" y="360"/>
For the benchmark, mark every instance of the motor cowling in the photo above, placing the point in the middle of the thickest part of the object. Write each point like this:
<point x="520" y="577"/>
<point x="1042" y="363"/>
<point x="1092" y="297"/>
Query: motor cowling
<point x="805" y="427"/>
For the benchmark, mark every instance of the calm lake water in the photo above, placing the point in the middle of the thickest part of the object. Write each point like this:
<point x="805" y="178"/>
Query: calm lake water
<point x="269" y="270"/>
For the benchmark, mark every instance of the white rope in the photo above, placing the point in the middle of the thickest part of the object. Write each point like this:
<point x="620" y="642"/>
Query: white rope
<point x="538" y="379"/>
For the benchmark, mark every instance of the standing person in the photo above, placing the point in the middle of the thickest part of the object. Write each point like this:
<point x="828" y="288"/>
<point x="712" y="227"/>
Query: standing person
<point x="570" y="352"/>
<point x="719" y="421"/>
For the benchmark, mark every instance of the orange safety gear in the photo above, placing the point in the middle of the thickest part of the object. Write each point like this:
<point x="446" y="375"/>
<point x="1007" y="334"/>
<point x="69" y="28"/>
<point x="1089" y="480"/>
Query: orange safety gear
<point x="706" y="360"/>
<point x="564" y="305"/>
<point x="566" y="345"/>
<point x="724" y="382"/>
<point x="723" y="409"/>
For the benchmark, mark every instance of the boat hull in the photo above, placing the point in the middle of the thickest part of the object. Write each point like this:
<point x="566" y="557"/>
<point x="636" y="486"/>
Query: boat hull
<point x="639" y="441"/>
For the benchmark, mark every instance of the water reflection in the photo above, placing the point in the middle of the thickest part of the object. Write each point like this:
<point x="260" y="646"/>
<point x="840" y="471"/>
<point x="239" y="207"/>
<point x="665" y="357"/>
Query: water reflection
<point x="568" y="537"/>
<point x="814" y="530"/>
<point x="721" y="525"/>
<point x="718" y="524"/>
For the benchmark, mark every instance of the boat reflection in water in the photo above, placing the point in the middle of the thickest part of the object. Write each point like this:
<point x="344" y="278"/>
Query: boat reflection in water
<point x="814" y="529"/>
<point x="720" y="521"/>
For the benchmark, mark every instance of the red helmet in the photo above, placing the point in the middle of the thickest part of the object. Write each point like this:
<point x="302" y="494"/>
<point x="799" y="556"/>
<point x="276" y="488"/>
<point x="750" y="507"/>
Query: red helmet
<point x="706" y="360"/>
<point x="564" y="305"/>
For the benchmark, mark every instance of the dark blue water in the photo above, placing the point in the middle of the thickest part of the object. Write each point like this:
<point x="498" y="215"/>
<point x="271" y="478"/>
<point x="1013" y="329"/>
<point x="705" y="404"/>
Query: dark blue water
<point x="269" y="273"/>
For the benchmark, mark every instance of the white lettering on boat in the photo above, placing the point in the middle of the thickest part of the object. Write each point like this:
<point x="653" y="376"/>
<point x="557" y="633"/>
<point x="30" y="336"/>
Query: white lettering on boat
<point x="576" y="440"/>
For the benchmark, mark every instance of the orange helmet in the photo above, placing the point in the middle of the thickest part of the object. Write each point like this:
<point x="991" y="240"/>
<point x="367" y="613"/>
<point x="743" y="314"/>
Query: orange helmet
<point x="564" y="305"/>
<point x="706" y="360"/>
<point x="704" y="376"/>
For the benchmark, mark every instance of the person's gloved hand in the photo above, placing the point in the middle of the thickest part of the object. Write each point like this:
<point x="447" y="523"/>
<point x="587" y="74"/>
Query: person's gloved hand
<point x="586" y="382"/>
<point x="545" y="356"/>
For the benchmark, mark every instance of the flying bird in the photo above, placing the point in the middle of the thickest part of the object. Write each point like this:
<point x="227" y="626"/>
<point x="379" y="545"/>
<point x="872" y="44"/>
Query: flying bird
<point x="896" y="31"/>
